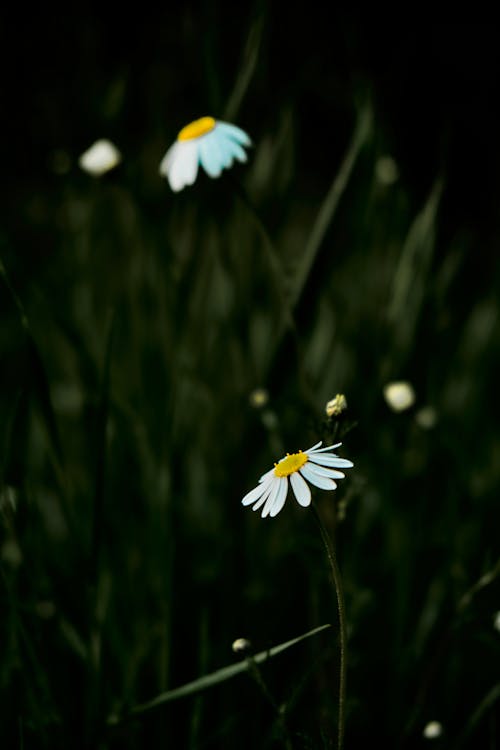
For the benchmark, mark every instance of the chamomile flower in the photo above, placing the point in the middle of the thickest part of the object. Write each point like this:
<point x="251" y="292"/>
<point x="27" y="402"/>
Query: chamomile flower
<point x="316" y="465"/>
<point x="212" y="143"/>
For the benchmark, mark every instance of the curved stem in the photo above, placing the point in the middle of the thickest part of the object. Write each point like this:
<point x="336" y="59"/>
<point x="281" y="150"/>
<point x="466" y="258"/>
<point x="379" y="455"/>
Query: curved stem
<point x="337" y="581"/>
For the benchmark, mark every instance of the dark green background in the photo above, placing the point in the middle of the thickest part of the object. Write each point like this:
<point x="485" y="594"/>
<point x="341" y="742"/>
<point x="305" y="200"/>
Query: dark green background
<point x="135" y="323"/>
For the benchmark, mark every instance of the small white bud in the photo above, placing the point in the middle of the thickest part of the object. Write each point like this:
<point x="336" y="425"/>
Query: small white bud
<point x="100" y="158"/>
<point x="240" y="645"/>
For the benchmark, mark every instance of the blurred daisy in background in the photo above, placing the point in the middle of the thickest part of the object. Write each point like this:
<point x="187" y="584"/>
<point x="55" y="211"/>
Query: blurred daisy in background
<point x="399" y="395"/>
<point x="212" y="143"/>
<point x="316" y="465"/>
<point x="100" y="158"/>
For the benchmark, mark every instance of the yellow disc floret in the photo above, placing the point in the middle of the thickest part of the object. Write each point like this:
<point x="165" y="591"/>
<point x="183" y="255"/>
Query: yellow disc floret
<point x="196" y="129"/>
<point x="293" y="462"/>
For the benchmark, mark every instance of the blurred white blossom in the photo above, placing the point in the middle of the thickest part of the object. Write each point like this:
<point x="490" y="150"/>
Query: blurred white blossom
<point x="100" y="158"/>
<point x="399" y="395"/>
<point x="432" y="730"/>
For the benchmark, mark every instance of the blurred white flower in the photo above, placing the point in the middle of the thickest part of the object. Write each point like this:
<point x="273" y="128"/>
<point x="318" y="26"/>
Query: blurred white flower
<point x="100" y="158"/>
<point x="432" y="730"/>
<point x="399" y="395"/>
<point x="212" y="143"/>
<point x="316" y="465"/>
<point x="336" y="406"/>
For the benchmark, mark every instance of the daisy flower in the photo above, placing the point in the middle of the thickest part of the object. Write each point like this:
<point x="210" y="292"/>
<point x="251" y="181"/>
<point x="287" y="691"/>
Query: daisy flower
<point x="212" y="143"/>
<point x="315" y="465"/>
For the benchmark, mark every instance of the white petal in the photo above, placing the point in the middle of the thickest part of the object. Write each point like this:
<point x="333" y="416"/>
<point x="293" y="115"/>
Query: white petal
<point x="314" y="447"/>
<point x="335" y="461"/>
<point x="183" y="165"/>
<point x="325" y="471"/>
<point x="322" y="450"/>
<point x="168" y="158"/>
<point x="254" y="494"/>
<point x="266" y="494"/>
<point x="280" y="498"/>
<point x="210" y="155"/>
<point x="234" y="151"/>
<point x="272" y="497"/>
<point x="237" y="134"/>
<point x="319" y="481"/>
<point x="267" y="474"/>
<point x="301" y="489"/>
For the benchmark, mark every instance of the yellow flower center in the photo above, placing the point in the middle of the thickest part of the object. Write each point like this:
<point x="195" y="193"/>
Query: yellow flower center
<point x="196" y="129"/>
<point x="293" y="462"/>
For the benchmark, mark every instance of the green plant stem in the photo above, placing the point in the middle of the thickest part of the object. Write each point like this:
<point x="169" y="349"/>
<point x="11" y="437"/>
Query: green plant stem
<point x="337" y="581"/>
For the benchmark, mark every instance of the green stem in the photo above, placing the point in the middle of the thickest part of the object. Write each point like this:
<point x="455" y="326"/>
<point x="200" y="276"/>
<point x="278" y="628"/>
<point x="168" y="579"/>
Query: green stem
<point x="337" y="581"/>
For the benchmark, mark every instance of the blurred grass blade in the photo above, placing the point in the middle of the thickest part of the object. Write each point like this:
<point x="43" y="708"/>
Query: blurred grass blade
<point x="37" y="373"/>
<point x="485" y="705"/>
<point x="409" y="282"/>
<point x="101" y="451"/>
<point x="221" y="675"/>
<point x="247" y="69"/>
<point x="331" y="201"/>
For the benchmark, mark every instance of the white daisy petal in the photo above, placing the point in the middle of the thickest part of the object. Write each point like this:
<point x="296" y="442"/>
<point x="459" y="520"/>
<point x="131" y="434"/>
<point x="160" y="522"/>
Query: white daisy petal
<point x="300" y="489"/>
<point x="335" y="461"/>
<point x="325" y="471"/>
<point x="264" y="497"/>
<point x="183" y="164"/>
<point x="236" y="151"/>
<point x="166" y="162"/>
<point x="237" y="134"/>
<point x="280" y="498"/>
<point x="210" y="157"/>
<point x="267" y="474"/>
<point x="225" y="150"/>
<point x="322" y="450"/>
<point x="272" y="497"/>
<point x="316" y="445"/>
<point x="254" y="494"/>
<point x="319" y="481"/>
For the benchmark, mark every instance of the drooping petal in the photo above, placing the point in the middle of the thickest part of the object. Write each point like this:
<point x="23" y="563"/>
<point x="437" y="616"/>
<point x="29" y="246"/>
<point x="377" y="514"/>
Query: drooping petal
<point x="266" y="494"/>
<point x="280" y="498"/>
<point x="319" y="481"/>
<point x="237" y="134"/>
<point x="272" y="497"/>
<point x="267" y="474"/>
<point x="225" y="150"/>
<point x="183" y="166"/>
<point x="210" y="156"/>
<point x="254" y="494"/>
<point x="326" y="471"/>
<point x="300" y="489"/>
<point x="235" y="150"/>
<point x="168" y="158"/>
<point x="329" y="460"/>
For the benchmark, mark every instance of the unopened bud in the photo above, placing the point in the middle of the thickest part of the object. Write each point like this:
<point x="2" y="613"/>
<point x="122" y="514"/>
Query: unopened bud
<point x="336" y="406"/>
<point x="240" y="645"/>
